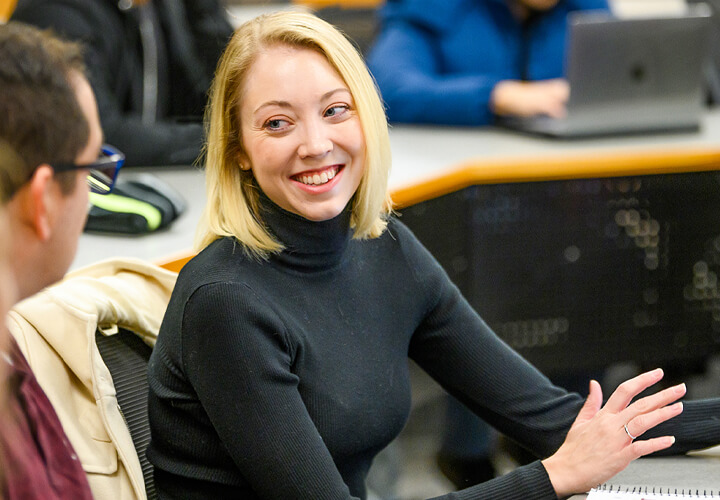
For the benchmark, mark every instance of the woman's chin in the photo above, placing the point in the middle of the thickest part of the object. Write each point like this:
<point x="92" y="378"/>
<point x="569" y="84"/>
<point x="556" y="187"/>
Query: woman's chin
<point x="321" y="212"/>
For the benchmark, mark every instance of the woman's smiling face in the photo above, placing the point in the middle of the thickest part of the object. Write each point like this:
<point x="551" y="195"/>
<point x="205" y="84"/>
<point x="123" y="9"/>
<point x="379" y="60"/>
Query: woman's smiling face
<point x="300" y="132"/>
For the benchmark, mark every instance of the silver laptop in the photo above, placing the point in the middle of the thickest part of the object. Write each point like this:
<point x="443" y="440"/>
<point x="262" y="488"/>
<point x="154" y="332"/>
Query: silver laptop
<point x="631" y="75"/>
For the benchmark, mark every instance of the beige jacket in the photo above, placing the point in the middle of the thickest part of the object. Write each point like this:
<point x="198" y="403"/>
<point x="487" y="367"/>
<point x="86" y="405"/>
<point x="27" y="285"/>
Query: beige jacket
<point x="55" y="330"/>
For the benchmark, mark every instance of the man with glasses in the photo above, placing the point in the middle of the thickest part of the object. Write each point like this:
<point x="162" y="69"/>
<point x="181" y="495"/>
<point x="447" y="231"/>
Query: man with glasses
<point x="49" y="120"/>
<point x="60" y="141"/>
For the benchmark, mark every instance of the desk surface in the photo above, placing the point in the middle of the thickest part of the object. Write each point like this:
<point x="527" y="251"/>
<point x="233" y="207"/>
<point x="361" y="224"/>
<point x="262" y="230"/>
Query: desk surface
<point x="431" y="161"/>
<point x="699" y="470"/>
<point x="162" y="245"/>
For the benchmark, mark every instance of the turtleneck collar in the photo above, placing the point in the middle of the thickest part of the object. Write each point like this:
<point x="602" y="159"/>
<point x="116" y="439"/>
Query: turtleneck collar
<point x="309" y="245"/>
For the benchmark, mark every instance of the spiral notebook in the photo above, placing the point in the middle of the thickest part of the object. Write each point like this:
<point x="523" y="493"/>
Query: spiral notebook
<point x="610" y="492"/>
<point x="695" y="476"/>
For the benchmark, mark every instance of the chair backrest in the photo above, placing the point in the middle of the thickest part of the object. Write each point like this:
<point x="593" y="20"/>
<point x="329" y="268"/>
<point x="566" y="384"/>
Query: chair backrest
<point x="126" y="356"/>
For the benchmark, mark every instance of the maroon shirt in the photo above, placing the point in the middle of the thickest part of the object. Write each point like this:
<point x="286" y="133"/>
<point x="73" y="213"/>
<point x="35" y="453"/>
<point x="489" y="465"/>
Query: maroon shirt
<point x="38" y="460"/>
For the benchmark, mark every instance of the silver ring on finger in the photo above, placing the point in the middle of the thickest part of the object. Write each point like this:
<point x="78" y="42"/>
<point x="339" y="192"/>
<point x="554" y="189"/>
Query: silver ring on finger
<point x="632" y="438"/>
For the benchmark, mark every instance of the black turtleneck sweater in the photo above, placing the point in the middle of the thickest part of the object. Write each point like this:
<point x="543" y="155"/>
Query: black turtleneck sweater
<point x="282" y="379"/>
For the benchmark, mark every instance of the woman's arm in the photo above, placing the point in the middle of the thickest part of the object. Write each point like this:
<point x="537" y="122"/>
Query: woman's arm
<point x="586" y="444"/>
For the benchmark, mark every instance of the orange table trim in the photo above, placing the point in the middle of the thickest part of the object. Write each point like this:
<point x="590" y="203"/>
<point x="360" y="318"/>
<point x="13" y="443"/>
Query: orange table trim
<point x="577" y="166"/>
<point x="176" y="263"/>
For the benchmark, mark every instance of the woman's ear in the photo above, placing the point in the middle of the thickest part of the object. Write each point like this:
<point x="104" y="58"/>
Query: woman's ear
<point x="244" y="161"/>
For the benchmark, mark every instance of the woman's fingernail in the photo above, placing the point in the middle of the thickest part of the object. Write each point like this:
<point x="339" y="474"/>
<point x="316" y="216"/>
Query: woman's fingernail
<point x="680" y="388"/>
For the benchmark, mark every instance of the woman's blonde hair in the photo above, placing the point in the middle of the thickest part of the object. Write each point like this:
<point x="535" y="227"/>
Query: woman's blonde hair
<point x="232" y="194"/>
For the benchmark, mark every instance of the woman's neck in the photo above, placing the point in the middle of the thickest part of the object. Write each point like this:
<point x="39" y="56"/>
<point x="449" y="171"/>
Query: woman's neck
<point x="308" y="245"/>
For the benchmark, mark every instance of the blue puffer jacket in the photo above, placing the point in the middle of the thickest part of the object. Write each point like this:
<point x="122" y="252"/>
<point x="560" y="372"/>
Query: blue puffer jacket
<point x="436" y="61"/>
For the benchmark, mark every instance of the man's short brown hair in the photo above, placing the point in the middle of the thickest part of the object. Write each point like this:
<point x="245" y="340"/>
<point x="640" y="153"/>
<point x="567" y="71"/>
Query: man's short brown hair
<point x="12" y="172"/>
<point x="42" y="121"/>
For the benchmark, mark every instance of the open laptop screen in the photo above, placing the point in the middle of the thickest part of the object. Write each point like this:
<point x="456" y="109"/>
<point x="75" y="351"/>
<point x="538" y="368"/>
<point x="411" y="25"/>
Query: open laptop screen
<point x="637" y="74"/>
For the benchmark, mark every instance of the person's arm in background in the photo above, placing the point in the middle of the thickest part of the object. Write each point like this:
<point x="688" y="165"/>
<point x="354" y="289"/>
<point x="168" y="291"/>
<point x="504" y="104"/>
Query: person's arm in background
<point x="545" y="93"/>
<point x="161" y="143"/>
<point x="405" y="64"/>
<point x="211" y="31"/>
<point x="519" y="98"/>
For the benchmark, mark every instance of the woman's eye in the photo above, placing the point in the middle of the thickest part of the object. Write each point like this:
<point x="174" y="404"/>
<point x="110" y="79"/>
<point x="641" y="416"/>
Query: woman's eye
<point x="275" y="124"/>
<point x="336" y="110"/>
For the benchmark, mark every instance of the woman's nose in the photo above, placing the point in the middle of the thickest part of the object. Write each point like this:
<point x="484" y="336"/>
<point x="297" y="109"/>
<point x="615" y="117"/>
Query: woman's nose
<point x="316" y="142"/>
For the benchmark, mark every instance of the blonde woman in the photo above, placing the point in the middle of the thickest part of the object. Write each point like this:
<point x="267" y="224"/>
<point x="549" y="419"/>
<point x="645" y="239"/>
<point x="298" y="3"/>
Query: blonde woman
<point x="281" y="368"/>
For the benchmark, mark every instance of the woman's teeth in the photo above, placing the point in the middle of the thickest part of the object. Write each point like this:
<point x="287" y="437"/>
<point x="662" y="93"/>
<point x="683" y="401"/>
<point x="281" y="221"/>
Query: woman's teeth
<point x="318" y="179"/>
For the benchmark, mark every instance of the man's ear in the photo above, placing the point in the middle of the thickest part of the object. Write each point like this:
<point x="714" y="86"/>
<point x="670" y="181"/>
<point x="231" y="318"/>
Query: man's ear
<point x="40" y="201"/>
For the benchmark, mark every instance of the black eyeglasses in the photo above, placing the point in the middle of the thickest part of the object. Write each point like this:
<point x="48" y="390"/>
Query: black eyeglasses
<point x="102" y="172"/>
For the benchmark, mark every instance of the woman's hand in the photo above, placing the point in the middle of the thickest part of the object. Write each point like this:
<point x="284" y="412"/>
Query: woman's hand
<point x="601" y="442"/>
<point x="543" y="97"/>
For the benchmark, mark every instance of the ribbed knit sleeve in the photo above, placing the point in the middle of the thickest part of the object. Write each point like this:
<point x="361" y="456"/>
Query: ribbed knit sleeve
<point x="457" y="348"/>
<point x="529" y="482"/>
<point x="697" y="427"/>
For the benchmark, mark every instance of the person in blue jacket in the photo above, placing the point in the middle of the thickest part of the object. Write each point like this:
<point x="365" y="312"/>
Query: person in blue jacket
<point x="463" y="62"/>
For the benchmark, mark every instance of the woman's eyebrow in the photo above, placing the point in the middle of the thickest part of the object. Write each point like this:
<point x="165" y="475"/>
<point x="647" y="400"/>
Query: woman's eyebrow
<point x="286" y="104"/>
<point x="282" y="104"/>
<point x="330" y="93"/>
